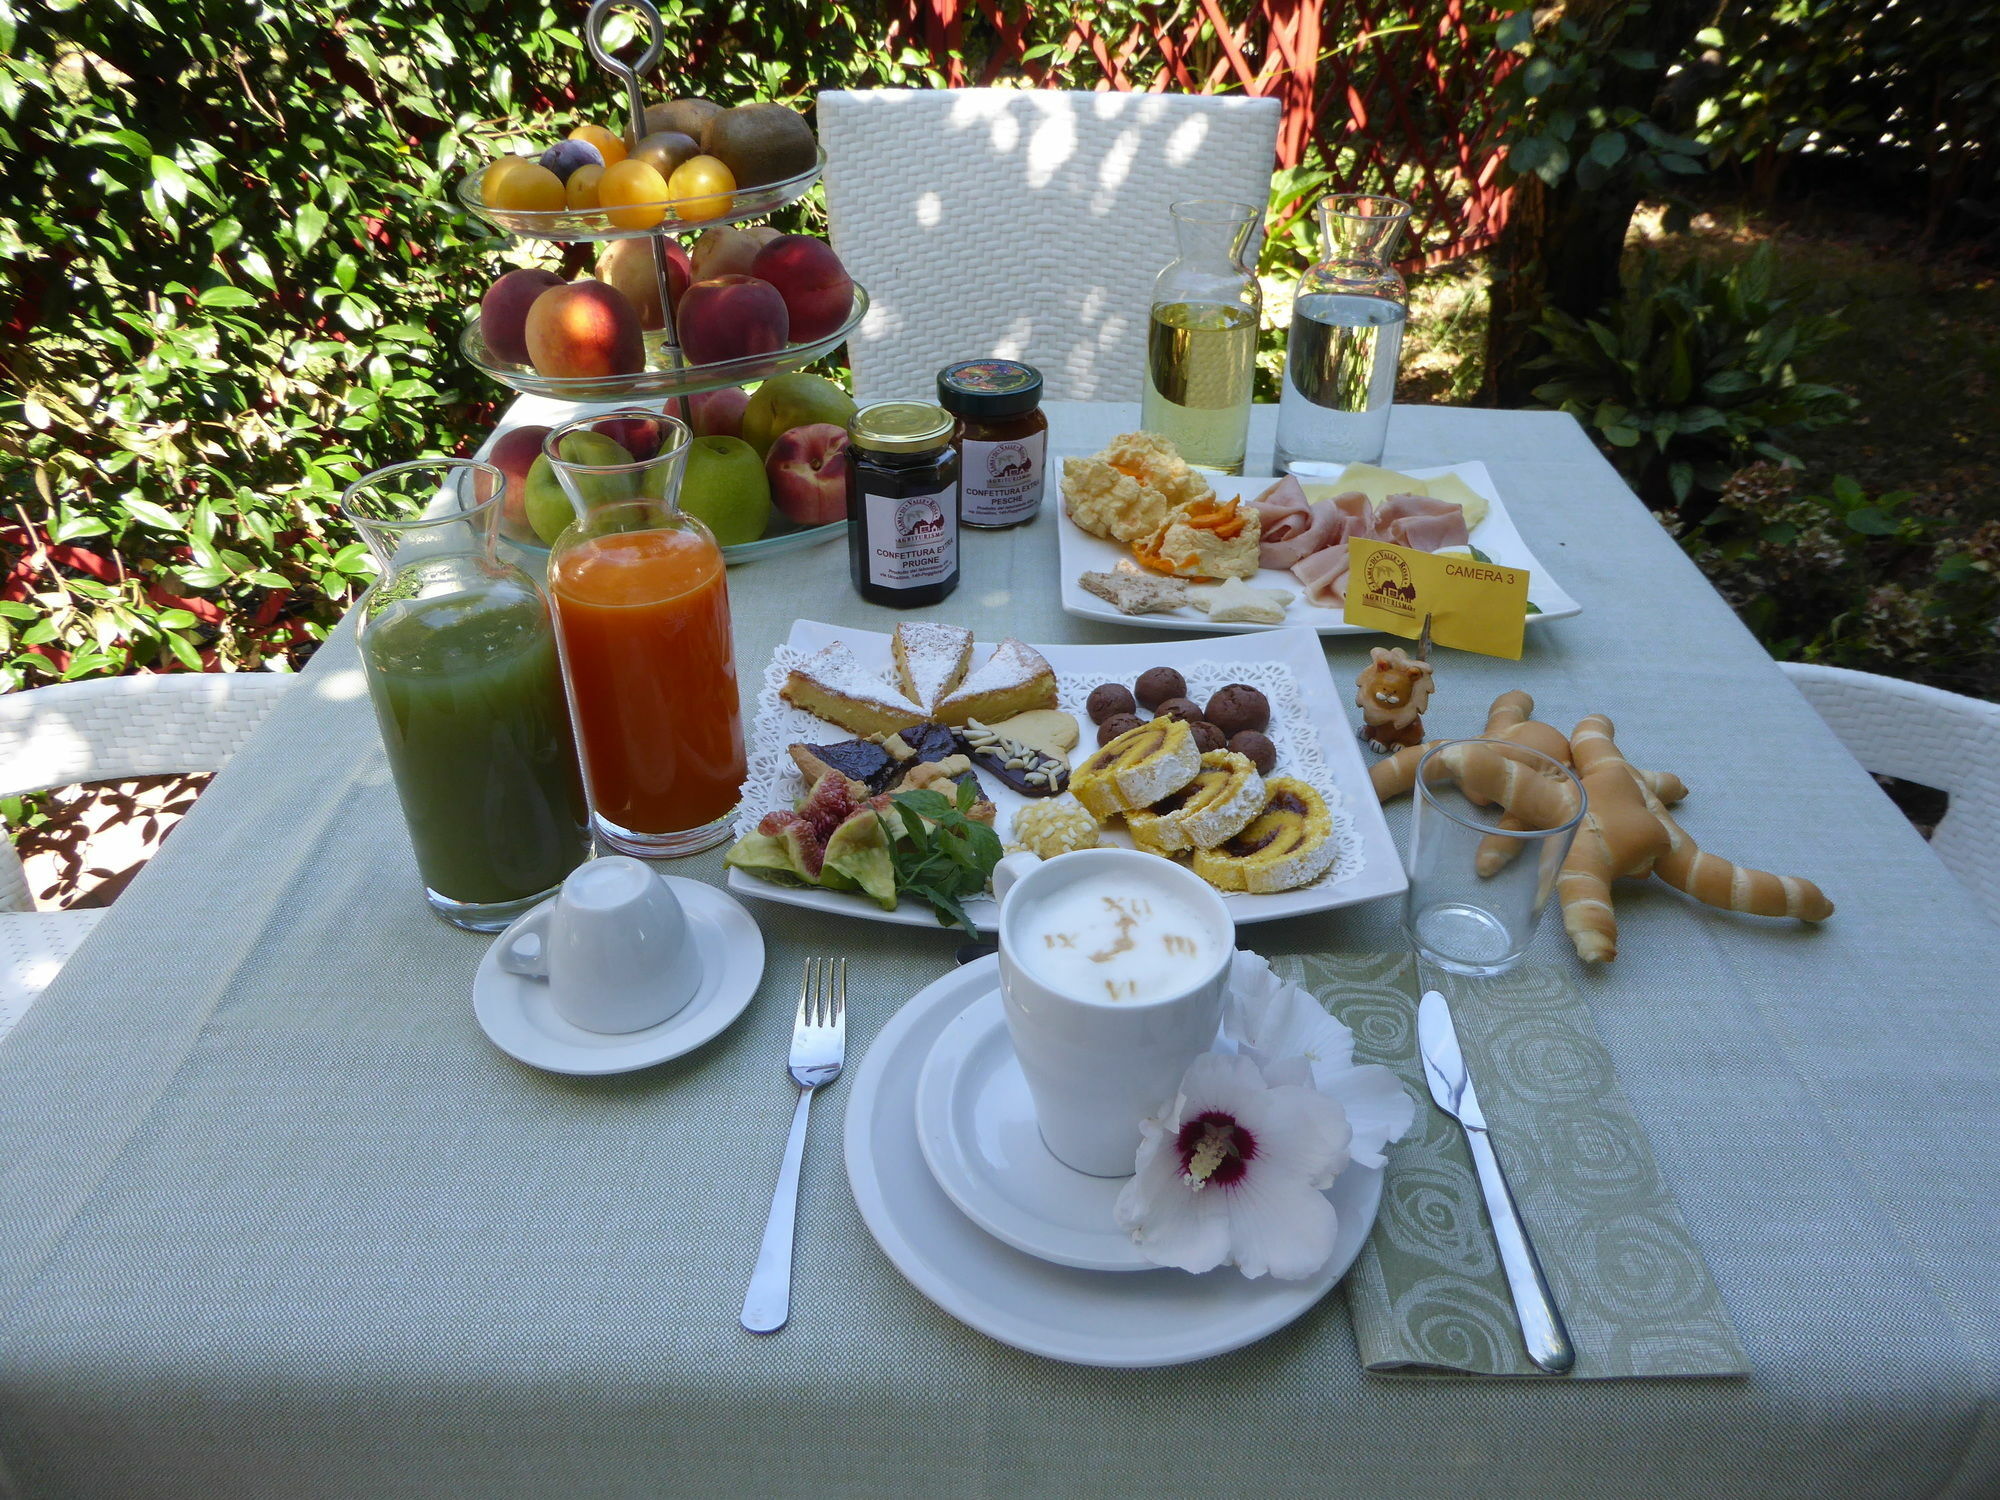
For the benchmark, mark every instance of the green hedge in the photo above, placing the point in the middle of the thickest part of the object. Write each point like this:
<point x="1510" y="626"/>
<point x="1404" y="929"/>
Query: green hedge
<point x="237" y="280"/>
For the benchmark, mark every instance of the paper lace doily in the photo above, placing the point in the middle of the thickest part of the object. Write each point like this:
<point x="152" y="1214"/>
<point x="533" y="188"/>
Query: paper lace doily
<point x="773" y="782"/>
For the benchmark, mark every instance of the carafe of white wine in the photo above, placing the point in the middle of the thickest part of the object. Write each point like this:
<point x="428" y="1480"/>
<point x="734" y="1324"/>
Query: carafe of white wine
<point x="1201" y="342"/>
<point x="1346" y="339"/>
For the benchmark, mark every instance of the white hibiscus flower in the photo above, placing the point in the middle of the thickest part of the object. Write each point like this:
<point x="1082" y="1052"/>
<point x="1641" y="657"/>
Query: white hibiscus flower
<point x="1234" y="1171"/>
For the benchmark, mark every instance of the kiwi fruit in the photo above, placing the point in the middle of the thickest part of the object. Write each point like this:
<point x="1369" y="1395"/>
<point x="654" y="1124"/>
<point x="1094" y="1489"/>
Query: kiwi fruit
<point x="687" y="116"/>
<point x="760" y="143"/>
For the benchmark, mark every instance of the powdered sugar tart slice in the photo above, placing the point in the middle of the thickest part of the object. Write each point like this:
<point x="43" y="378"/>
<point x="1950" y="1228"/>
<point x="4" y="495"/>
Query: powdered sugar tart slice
<point x="1310" y="726"/>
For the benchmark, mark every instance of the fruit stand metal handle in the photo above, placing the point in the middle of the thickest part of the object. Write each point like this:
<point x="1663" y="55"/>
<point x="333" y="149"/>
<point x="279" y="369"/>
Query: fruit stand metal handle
<point x="593" y="34"/>
<point x="594" y="26"/>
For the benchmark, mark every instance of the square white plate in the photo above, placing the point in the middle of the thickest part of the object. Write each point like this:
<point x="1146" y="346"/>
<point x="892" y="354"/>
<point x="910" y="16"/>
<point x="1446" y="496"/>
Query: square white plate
<point x="1308" y="724"/>
<point x="1495" y="536"/>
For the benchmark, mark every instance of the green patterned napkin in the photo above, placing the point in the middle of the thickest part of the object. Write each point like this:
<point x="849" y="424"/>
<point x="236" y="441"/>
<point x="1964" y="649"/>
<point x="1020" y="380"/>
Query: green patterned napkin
<point x="1428" y="1294"/>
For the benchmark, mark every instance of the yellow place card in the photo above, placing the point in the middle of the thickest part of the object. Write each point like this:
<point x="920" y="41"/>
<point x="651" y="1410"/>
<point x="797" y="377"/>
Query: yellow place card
<point x="1474" y="606"/>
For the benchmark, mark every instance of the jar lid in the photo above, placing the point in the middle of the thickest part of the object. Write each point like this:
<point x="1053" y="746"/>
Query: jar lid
<point x="901" y="427"/>
<point x="990" y="388"/>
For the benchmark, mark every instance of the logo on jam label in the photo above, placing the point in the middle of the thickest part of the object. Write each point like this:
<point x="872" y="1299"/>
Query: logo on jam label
<point x="920" y="519"/>
<point x="1008" y="461"/>
<point x="1387" y="584"/>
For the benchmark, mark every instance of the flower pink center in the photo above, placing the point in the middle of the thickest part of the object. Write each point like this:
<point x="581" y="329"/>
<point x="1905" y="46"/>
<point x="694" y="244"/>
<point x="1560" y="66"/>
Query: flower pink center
<point x="1214" y="1149"/>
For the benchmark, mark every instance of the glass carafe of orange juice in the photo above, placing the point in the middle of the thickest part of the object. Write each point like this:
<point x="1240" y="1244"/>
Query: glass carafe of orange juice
<point x="460" y="661"/>
<point x="642" y="621"/>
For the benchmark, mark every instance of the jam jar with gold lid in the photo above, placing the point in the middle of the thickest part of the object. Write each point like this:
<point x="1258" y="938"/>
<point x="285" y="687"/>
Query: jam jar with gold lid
<point x="1002" y="442"/>
<point x="902" y="502"/>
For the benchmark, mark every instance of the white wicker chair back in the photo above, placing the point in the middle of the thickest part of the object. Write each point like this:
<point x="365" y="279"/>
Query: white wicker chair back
<point x="1934" y="738"/>
<point x="115" y="728"/>
<point x="1023" y="223"/>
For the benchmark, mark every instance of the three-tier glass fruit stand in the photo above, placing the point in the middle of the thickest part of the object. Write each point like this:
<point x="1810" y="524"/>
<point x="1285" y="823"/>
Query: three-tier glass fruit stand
<point x="667" y="375"/>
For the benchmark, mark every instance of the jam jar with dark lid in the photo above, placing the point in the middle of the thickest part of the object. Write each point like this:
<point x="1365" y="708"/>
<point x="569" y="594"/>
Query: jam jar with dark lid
<point x="902" y="500"/>
<point x="1003" y="439"/>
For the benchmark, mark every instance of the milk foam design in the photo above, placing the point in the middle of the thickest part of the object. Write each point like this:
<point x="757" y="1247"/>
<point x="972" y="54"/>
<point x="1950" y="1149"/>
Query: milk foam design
<point x="1116" y="945"/>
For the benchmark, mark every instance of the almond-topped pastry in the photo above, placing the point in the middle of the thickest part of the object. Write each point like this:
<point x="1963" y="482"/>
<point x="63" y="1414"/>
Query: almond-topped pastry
<point x="1225" y="795"/>
<point x="1138" y="768"/>
<point x="833" y="684"/>
<point x="1287" y="844"/>
<point x="931" y="659"/>
<point x="1014" y="679"/>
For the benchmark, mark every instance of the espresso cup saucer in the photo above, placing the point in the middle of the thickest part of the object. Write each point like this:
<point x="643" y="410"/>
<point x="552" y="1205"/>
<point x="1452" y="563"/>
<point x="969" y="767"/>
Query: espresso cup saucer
<point x="976" y="1126"/>
<point x="519" y="1018"/>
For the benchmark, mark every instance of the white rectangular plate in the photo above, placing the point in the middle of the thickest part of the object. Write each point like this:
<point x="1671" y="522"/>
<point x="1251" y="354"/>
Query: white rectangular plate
<point x="1308" y="725"/>
<point x="1495" y="536"/>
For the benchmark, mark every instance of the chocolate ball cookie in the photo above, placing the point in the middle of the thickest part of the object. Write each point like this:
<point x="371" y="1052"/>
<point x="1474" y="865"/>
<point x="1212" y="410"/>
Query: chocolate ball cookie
<point x="1238" y="707"/>
<point x="1255" y="748"/>
<point x="1206" y="736"/>
<point x="1157" y="684"/>
<point x="1116" y="725"/>
<point x="1184" y="709"/>
<point x="1109" y="699"/>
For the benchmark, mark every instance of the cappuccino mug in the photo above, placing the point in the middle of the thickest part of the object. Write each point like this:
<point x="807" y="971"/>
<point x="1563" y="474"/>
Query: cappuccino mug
<point x="1113" y="965"/>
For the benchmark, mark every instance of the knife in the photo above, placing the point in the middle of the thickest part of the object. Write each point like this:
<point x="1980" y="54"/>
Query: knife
<point x="1444" y="1068"/>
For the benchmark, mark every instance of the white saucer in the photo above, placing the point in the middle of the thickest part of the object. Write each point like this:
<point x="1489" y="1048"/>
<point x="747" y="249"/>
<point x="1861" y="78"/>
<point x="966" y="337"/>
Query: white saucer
<point x="976" y="1124"/>
<point x="1159" y="1317"/>
<point x="516" y="1013"/>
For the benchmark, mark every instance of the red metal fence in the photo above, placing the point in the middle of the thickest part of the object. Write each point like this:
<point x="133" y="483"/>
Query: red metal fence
<point x="1388" y="97"/>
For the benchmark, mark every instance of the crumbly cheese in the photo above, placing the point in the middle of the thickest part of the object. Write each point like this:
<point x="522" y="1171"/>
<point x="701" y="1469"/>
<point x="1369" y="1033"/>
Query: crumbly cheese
<point x="1060" y="825"/>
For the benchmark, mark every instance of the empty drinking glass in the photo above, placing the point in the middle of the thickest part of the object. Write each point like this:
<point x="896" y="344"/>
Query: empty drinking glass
<point x="1478" y="879"/>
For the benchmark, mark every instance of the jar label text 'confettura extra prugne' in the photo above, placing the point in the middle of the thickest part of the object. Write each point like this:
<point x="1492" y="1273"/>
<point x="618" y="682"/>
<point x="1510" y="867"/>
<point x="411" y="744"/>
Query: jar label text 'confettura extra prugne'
<point x="912" y="539"/>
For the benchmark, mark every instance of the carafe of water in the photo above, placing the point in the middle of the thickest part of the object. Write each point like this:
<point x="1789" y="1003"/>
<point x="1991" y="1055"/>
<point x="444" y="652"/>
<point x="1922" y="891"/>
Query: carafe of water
<point x="1201" y="340"/>
<point x="1346" y="337"/>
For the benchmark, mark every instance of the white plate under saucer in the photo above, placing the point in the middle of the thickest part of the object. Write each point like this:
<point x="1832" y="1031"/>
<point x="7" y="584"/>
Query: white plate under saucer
<point x="518" y="1017"/>
<point x="976" y="1125"/>
<point x="1151" y="1318"/>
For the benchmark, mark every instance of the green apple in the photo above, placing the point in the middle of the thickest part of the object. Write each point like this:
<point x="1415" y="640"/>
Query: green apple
<point x="548" y="505"/>
<point x="797" y="400"/>
<point x="726" y="487"/>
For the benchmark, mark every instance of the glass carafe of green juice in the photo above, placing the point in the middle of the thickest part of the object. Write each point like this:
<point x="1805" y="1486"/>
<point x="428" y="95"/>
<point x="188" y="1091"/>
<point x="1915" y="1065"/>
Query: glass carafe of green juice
<point x="1201" y="342"/>
<point x="461" y="664"/>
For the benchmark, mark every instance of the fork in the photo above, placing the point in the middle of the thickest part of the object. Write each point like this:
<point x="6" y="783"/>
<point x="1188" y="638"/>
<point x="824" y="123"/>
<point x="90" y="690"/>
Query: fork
<point x="819" y="1046"/>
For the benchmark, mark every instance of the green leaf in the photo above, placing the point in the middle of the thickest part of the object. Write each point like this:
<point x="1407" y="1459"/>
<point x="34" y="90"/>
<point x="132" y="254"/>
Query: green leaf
<point x="1607" y="148"/>
<point x="1871" y="520"/>
<point x="310" y="225"/>
<point x="150" y="514"/>
<point x="1537" y="76"/>
<point x="1515" y="30"/>
<point x="183" y="652"/>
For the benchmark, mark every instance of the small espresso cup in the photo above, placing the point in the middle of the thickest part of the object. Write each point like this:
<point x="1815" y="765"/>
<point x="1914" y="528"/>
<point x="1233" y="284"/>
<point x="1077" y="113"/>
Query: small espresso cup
<point x="613" y="947"/>
<point x="1103" y="1032"/>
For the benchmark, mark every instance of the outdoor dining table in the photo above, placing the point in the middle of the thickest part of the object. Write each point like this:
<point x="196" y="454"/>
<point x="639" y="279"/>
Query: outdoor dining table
<point x="277" y="1220"/>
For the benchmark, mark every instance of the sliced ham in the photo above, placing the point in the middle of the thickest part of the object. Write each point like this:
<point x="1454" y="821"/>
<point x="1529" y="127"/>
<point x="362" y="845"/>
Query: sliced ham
<point x="1399" y="507"/>
<point x="1323" y="529"/>
<point x="1283" y="509"/>
<point x="1430" y="533"/>
<point x="1324" y="576"/>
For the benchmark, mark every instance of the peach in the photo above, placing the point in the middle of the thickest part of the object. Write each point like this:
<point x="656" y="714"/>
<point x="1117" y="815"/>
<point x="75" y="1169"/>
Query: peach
<point x="818" y="292"/>
<point x="719" y="413"/>
<point x="730" y="317"/>
<point x="503" y="311"/>
<point x="728" y="251"/>
<point x="514" y="453"/>
<point x="638" y="436"/>
<point x="807" y="468"/>
<point x="584" y="329"/>
<point x="628" y="265"/>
